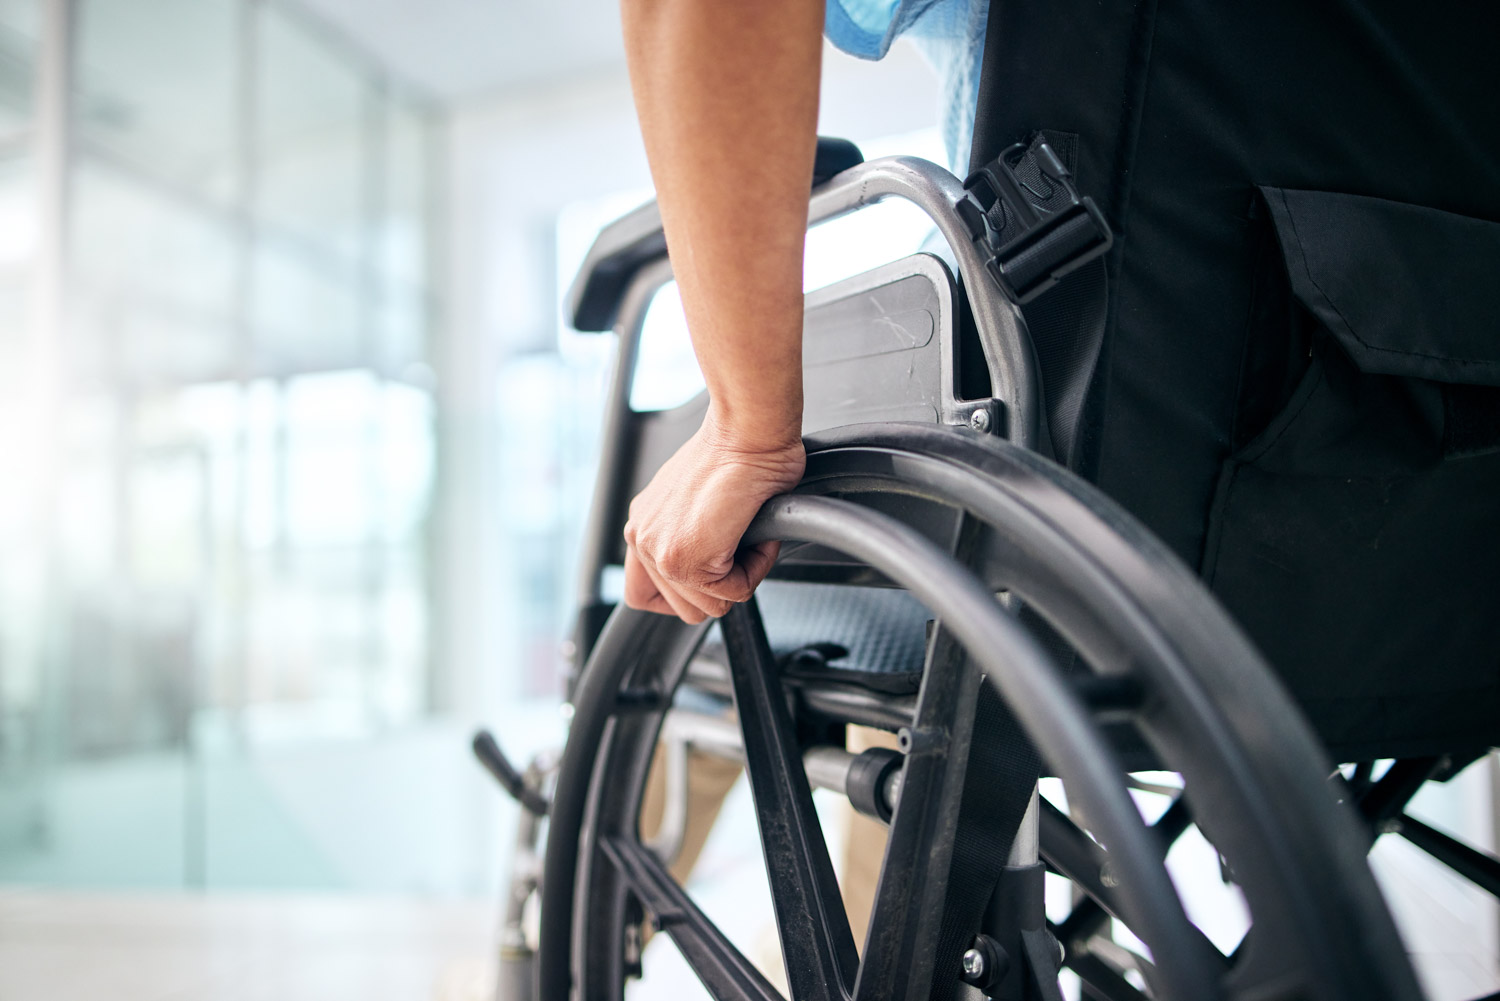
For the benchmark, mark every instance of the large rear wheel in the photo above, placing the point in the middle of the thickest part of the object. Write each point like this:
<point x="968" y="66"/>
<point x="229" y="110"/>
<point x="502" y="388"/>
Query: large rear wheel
<point x="1120" y="661"/>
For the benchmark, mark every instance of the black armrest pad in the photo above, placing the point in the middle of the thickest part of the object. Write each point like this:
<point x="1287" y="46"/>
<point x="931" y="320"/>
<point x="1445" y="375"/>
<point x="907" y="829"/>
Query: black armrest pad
<point x="621" y="249"/>
<point x="834" y="156"/>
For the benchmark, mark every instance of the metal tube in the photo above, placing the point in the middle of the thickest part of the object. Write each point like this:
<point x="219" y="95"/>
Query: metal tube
<point x="827" y="767"/>
<point x="711" y="734"/>
<point x="671" y="832"/>
<point x="890" y="790"/>
<point x="1007" y="347"/>
<point x="613" y="456"/>
<point x="1025" y="849"/>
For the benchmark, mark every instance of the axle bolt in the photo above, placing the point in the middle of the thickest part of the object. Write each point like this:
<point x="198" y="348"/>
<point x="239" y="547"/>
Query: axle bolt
<point x="985" y="964"/>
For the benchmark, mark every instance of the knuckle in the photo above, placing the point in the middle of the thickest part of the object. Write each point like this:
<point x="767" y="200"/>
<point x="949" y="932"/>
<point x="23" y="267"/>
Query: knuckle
<point x="676" y="561"/>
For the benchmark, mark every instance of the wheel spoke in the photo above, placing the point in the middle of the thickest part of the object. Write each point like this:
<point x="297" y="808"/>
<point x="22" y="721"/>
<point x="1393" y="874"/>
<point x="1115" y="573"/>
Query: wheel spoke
<point x="1086" y="918"/>
<point x="1088" y="915"/>
<point x="1077" y="856"/>
<point x="816" y="944"/>
<point x="1172" y="824"/>
<point x="905" y="925"/>
<point x="1396" y="787"/>
<point x="1479" y="868"/>
<point x="1101" y="982"/>
<point x="724" y="970"/>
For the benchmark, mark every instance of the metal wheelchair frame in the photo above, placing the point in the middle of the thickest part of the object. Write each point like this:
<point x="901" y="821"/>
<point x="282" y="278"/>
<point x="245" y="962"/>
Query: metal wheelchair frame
<point x="956" y="512"/>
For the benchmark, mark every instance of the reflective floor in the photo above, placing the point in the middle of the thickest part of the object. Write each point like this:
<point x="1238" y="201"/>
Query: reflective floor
<point x="63" y="946"/>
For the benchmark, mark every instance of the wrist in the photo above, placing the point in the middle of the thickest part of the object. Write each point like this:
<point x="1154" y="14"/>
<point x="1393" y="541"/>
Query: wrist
<point x="759" y="428"/>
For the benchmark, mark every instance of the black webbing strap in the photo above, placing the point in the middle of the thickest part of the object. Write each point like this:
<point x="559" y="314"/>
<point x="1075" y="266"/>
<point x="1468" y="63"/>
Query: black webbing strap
<point x="1002" y="771"/>
<point x="1067" y="334"/>
<point x="1044" y="243"/>
<point x="1066" y="324"/>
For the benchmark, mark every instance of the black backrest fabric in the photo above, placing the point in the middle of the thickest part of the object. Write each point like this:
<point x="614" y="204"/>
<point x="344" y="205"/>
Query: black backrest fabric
<point x="1299" y="388"/>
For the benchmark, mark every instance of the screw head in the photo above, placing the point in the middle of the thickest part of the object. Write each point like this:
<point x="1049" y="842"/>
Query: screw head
<point x="979" y="420"/>
<point x="973" y="963"/>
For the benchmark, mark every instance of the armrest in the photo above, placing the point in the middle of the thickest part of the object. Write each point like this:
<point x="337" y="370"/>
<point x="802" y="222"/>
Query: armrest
<point x="635" y="240"/>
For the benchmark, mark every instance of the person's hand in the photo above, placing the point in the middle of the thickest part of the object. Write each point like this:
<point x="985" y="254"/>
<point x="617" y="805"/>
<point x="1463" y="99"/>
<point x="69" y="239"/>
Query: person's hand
<point x="683" y="554"/>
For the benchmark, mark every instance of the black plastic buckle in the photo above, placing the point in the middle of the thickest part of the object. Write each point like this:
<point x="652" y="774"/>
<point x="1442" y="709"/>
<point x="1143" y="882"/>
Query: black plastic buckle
<point x="1024" y="214"/>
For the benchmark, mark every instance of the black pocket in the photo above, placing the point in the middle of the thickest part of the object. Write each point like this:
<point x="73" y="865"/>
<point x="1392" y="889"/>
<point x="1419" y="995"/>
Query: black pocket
<point x="1357" y="536"/>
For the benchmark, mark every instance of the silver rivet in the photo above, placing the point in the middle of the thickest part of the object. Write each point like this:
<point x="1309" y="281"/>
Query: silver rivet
<point x="1107" y="874"/>
<point x="979" y="420"/>
<point x="973" y="963"/>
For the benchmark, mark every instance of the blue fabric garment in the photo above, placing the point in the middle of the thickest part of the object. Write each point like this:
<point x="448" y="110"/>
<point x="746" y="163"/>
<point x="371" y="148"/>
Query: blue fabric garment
<point x="948" y="33"/>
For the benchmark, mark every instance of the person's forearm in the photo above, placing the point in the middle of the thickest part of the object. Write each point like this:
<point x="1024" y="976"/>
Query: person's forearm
<point x="727" y="94"/>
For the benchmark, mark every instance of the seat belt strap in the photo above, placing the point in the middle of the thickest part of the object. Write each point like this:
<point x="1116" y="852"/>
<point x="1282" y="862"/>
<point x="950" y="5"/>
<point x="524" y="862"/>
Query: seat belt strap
<point x="1039" y="235"/>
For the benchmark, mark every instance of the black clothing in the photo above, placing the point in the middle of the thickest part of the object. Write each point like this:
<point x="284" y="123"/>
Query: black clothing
<point x="1299" y="381"/>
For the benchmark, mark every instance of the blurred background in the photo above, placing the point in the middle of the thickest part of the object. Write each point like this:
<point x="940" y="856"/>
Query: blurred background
<point x="294" y="447"/>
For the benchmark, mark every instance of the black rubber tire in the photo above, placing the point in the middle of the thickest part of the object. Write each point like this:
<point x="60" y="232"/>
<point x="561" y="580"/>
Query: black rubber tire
<point x="1213" y="712"/>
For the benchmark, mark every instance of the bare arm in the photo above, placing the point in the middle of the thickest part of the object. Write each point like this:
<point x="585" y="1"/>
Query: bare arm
<point x="727" y="94"/>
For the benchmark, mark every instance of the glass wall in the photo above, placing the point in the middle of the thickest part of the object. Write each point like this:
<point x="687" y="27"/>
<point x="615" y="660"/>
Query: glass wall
<point x="218" y="549"/>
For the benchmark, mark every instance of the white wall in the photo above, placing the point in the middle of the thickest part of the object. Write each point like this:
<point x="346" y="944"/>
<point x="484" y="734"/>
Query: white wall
<point x="512" y="165"/>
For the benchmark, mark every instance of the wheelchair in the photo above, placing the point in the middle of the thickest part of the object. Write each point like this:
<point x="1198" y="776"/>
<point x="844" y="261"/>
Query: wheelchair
<point x="956" y="572"/>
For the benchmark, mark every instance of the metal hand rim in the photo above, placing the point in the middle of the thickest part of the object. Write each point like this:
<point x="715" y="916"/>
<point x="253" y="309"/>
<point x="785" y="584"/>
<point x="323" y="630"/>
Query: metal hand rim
<point x="996" y="481"/>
